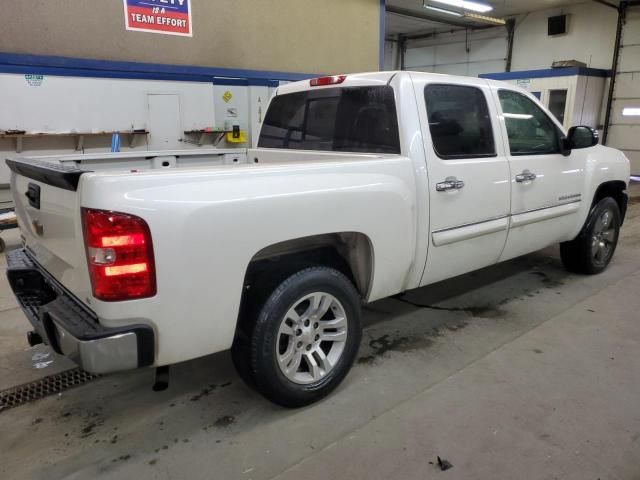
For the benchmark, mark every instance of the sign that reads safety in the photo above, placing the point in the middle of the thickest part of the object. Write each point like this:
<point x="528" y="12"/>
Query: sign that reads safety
<point x="172" y="17"/>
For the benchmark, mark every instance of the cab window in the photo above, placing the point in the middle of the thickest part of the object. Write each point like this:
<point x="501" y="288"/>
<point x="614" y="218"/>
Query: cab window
<point x="530" y="130"/>
<point x="459" y="121"/>
<point x="347" y="119"/>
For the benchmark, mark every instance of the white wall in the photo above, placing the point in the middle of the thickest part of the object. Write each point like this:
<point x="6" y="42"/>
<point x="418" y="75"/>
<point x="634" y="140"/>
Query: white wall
<point x="447" y="52"/>
<point x="76" y="104"/>
<point x="62" y="104"/>
<point x="590" y="37"/>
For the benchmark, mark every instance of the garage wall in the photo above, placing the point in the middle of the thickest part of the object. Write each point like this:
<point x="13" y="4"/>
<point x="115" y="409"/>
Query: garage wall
<point x="624" y="130"/>
<point x="485" y="51"/>
<point x="58" y="104"/>
<point x="283" y="35"/>
<point x="585" y="40"/>
<point x="454" y="53"/>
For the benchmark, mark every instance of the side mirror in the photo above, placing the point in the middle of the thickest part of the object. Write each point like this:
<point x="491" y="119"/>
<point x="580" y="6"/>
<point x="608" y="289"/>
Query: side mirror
<point x="582" y="137"/>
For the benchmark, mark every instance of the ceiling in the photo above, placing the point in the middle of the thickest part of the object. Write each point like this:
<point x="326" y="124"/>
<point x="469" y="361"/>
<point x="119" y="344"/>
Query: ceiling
<point x="404" y="23"/>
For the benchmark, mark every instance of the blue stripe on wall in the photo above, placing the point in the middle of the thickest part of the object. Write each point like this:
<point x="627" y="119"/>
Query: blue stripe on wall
<point x="548" y="72"/>
<point x="80" y="67"/>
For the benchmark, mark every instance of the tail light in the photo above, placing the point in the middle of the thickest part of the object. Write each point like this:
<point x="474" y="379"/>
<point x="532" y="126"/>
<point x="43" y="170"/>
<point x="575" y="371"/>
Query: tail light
<point x="120" y="255"/>
<point x="324" y="81"/>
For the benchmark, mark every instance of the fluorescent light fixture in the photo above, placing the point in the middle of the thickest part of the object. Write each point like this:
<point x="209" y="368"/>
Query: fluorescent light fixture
<point x="518" y="116"/>
<point x="484" y="18"/>
<point x="631" y="112"/>
<point x="442" y="10"/>
<point x="635" y="178"/>
<point x="467" y="5"/>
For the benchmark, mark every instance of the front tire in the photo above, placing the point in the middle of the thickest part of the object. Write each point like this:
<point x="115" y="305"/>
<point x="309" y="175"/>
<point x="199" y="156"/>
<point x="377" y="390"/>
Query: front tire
<point x="306" y="337"/>
<point x="592" y="250"/>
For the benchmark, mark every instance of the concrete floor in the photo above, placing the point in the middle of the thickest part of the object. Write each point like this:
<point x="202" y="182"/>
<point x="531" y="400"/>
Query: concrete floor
<point x="520" y="370"/>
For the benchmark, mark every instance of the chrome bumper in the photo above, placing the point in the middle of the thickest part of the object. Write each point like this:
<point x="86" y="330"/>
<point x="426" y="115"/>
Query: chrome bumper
<point x="69" y="327"/>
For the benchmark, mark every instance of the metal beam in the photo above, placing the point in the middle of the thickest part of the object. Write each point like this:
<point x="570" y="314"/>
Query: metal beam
<point x="511" y="27"/>
<point x="607" y="4"/>
<point x="405" y="12"/>
<point x="622" y="11"/>
<point x="402" y="50"/>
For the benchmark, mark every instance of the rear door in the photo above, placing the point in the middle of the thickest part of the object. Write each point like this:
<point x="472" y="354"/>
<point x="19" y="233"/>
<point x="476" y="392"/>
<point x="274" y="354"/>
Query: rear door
<point x="468" y="176"/>
<point x="546" y="186"/>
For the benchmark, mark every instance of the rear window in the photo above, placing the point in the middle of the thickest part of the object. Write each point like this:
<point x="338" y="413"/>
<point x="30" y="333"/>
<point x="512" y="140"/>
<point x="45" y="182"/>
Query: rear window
<point x="348" y="119"/>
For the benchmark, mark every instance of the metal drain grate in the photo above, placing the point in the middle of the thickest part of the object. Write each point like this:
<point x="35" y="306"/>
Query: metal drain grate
<point x="16" y="396"/>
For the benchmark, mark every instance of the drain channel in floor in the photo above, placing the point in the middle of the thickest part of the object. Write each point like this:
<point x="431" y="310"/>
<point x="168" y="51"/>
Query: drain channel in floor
<point x="22" y="394"/>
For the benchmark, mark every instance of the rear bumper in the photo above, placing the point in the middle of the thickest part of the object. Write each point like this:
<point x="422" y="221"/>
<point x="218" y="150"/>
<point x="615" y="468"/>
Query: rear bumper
<point x="69" y="327"/>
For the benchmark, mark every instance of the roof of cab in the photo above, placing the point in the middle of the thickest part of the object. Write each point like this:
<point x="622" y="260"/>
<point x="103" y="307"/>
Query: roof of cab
<point x="383" y="78"/>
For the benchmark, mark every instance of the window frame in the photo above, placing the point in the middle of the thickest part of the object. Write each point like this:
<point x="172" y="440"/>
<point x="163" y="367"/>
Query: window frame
<point x="559" y="133"/>
<point x="490" y="116"/>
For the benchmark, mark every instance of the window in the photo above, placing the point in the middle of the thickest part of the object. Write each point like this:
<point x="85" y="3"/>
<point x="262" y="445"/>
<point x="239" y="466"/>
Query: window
<point x="557" y="103"/>
<point x="459" y="121"/>
<point x="349" y="119"/>
<point x="530" y="130"/>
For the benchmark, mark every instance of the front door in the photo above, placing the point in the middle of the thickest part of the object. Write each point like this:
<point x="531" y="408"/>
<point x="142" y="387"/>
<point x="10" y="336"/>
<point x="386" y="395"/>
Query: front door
<point x="546" y="186"/>
<point x="468" y="176"/>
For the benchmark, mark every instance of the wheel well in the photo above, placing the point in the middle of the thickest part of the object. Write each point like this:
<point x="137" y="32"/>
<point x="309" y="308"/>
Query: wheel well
<point x="614" y="189"/>
<point x="351" y="253"/>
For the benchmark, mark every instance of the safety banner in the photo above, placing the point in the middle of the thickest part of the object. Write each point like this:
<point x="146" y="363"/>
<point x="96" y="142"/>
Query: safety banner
<point x="171" y="17"/>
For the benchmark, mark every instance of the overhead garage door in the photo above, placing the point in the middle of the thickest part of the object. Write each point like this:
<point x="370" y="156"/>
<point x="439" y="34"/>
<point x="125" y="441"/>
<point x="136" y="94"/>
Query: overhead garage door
<point x="459" y="53"/>
<point x="624" y="123"/>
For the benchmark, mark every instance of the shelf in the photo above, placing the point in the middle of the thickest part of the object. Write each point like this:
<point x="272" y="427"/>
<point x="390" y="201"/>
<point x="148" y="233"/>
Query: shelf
<point x="216" y="136"/>
<point x="79" y="136"/>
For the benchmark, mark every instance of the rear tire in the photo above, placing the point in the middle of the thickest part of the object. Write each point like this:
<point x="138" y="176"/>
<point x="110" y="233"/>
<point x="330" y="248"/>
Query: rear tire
<point x="592" y="250"/>
<point x="305" y="337"/>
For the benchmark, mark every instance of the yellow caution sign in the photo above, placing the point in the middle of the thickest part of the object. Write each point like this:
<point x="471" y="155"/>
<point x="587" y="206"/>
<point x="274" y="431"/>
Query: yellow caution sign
<point x="227" y="96"/>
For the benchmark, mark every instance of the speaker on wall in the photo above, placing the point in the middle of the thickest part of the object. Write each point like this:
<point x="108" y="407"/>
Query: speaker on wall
<point x="557" y="25"/>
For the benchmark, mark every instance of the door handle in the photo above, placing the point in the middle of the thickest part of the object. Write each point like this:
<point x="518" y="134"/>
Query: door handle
<point x="526" y="176"/>
<point x="450" y="183"/>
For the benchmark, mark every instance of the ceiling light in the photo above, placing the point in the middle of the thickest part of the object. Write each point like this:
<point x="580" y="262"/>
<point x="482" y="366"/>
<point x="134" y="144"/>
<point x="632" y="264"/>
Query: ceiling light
<point x="442" y="10"/>
<point x="631" y="112"/>
<point x="484" y="18"/>
<point x="467" y="5"/>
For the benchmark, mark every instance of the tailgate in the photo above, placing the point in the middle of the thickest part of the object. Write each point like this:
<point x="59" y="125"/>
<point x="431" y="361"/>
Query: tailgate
<point x="48" y="210"/>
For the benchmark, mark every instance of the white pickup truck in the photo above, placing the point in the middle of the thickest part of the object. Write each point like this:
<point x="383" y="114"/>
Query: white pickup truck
<point x="363" y="186"/>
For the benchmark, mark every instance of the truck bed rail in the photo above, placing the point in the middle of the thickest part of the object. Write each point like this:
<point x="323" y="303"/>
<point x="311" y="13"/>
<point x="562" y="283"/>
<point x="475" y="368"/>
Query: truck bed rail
<point x="55" y="174"/>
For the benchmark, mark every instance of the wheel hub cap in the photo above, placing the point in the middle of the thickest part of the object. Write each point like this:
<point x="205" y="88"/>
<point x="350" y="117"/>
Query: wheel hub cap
<point x="603" y="237"/>
<point x="311" y="338"/>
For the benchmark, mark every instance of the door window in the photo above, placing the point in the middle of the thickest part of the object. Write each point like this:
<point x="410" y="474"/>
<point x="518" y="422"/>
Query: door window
<point x="530" y="130"/>
<point x="459" y="121"/>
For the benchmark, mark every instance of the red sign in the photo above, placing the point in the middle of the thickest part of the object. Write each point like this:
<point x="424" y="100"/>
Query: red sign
<point x="172" y="17"/>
